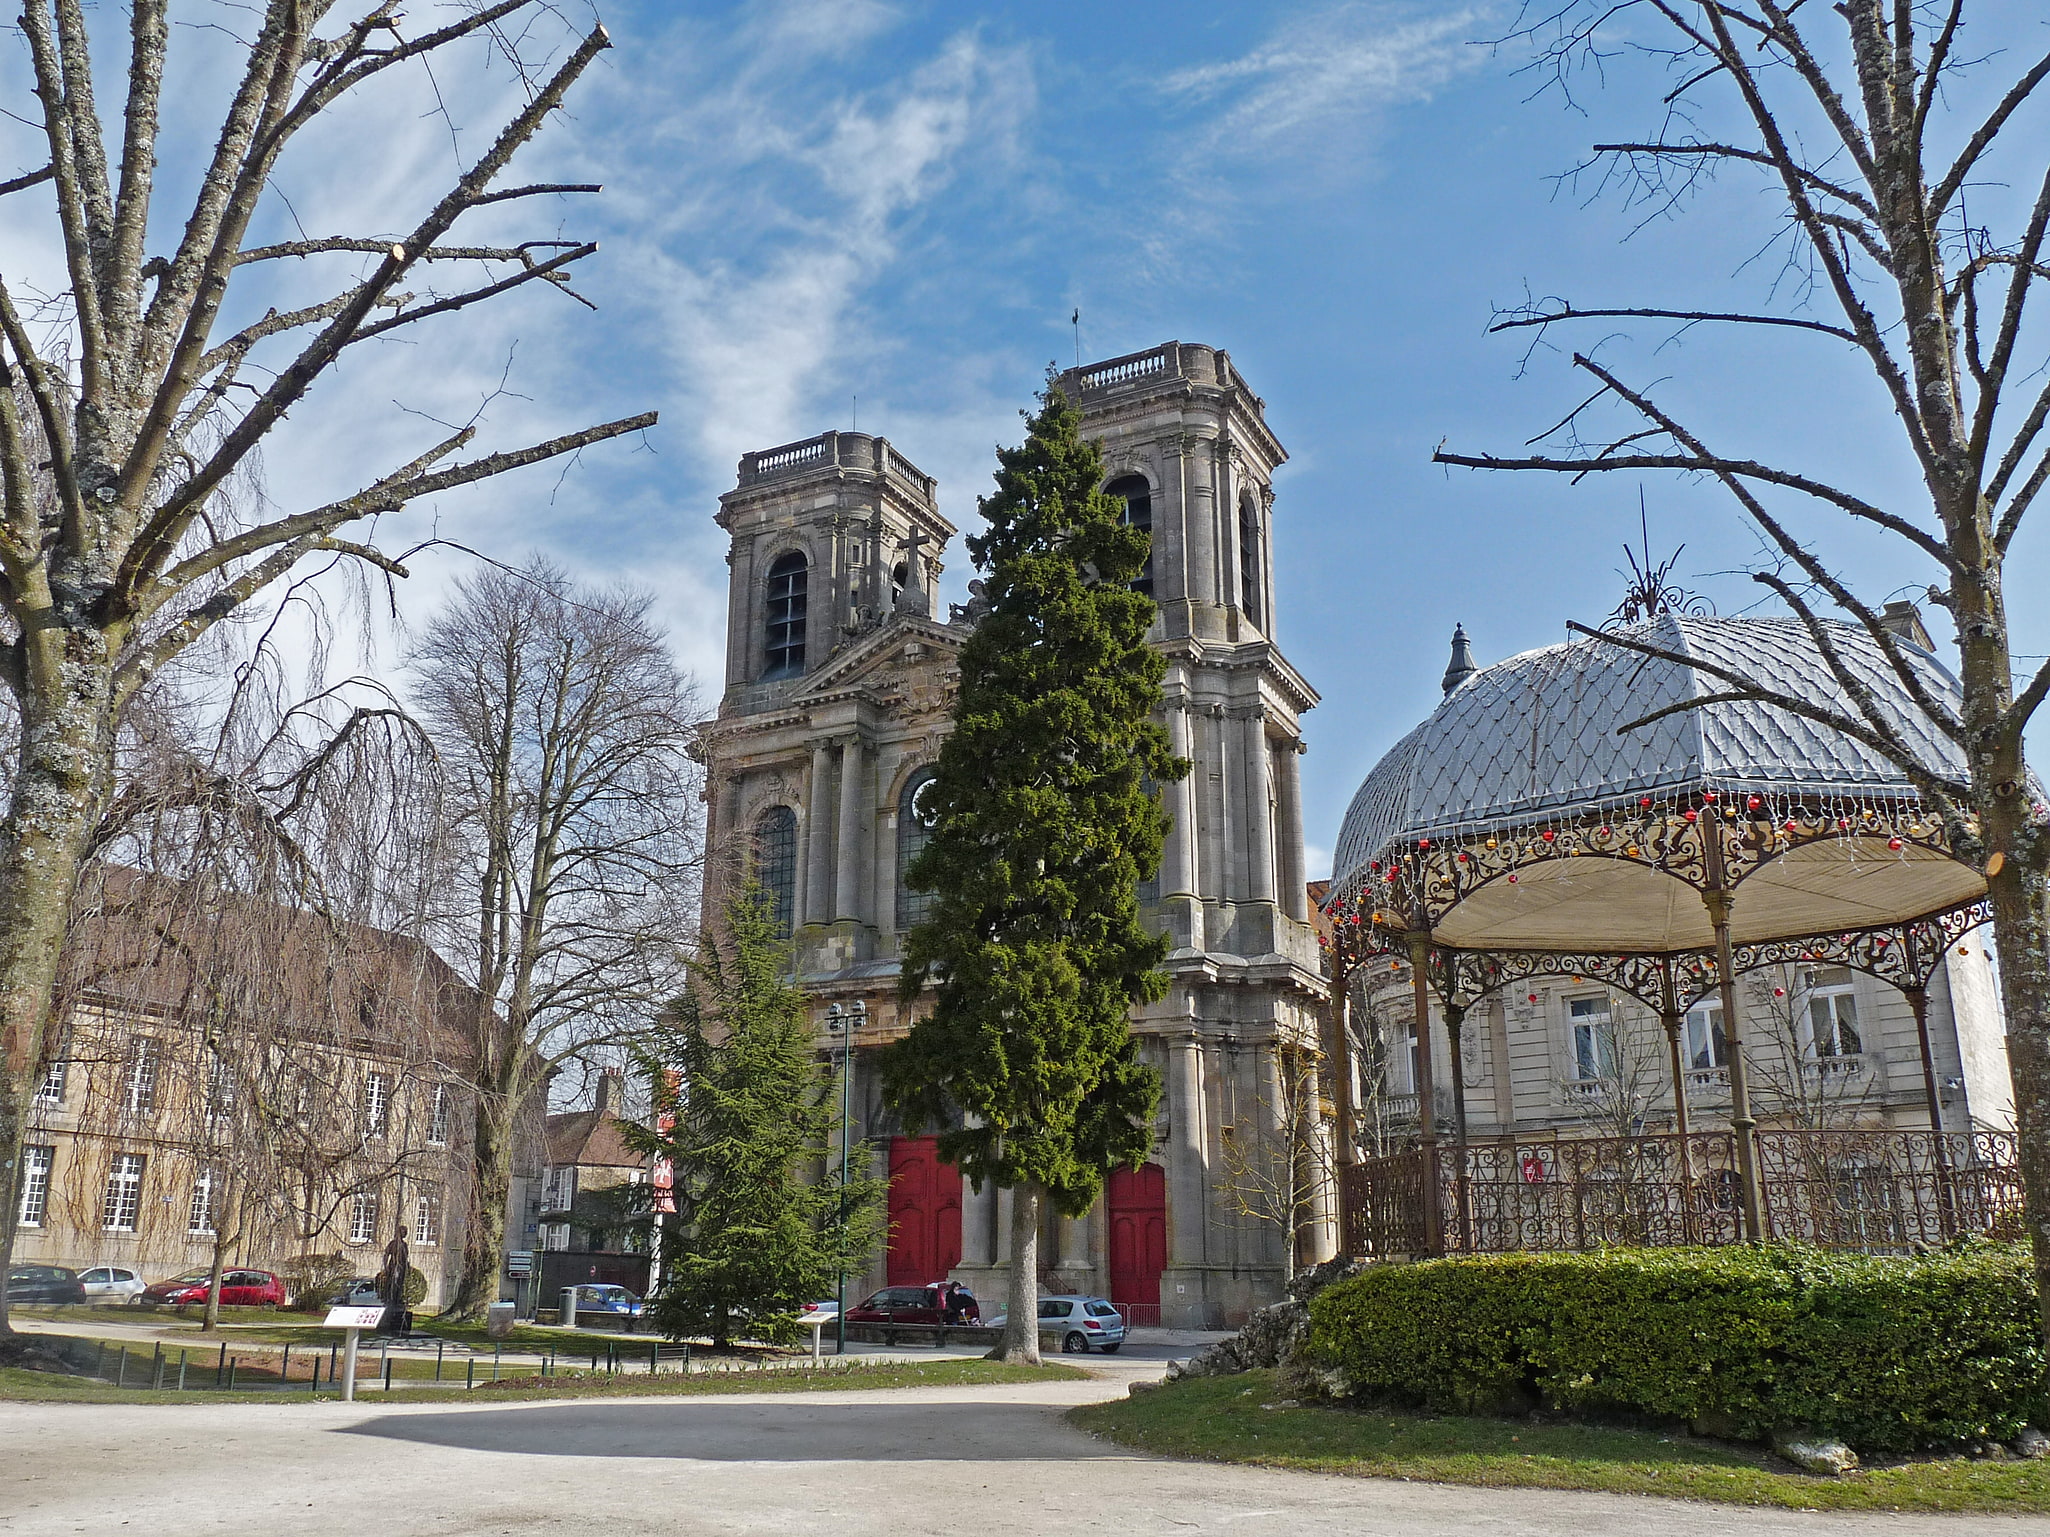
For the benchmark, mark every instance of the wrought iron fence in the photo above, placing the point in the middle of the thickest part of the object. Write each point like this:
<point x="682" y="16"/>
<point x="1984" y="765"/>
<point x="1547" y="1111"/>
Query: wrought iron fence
<point x="1879" y="1191"/>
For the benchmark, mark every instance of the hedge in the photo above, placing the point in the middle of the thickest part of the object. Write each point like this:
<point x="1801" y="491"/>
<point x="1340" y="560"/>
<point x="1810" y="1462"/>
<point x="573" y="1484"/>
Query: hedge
<point x="1889" y="1354"/>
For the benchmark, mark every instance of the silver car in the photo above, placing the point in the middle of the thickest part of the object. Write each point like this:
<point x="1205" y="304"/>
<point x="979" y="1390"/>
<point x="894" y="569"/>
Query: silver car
<point x="111" y="1283"/>
<point x="1084" y="1323"/>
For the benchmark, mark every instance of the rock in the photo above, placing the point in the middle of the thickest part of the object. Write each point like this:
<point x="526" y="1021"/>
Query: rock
<point x="1136" y="1388"/>
<point x="1813" y="1453"/>
<point x="2031" y="1443"/>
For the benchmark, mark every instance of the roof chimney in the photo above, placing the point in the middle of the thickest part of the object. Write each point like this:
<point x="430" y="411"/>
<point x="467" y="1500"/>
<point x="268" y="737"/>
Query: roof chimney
<point x="1461" y="667"/>
<point x="608" y="1092"/>
<point x="1902" y="618"/>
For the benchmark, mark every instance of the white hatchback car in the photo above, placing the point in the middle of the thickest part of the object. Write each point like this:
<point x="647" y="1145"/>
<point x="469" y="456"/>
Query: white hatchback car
<point x="110" y="1283"/>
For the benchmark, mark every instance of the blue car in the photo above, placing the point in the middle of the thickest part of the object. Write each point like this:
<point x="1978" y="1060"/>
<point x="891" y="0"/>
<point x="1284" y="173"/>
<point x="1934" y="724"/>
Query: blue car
<point x="606" y="1298"/>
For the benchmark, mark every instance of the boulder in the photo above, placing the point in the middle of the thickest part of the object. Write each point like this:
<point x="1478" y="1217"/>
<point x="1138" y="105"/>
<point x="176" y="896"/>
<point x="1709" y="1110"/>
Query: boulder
<point x="2031" y="1443"/>
<point x="1814" y="1454"/>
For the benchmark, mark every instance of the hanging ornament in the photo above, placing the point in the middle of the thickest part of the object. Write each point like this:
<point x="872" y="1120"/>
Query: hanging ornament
<point x="1423" y="843"/>
<point x="1893" y="843"/>
<point x="1754" y="803"/>
<point x="1549" y="835"/>
<point x="1533" y="997"/>
<point x="1512" y="880"/>
<point x="1687" y="816"/>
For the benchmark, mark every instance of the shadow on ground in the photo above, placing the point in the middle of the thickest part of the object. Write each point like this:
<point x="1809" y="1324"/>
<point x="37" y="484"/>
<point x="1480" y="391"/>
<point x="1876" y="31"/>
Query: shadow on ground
<point x="709" y="1430"/>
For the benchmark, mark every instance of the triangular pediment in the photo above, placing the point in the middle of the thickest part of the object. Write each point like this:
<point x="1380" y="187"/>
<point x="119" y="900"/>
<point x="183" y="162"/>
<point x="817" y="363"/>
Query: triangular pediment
<point x="879" y="656"/>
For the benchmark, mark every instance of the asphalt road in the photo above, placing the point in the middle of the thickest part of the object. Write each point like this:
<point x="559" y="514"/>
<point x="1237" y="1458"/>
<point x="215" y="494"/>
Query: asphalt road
<point x="990" y="1462"/>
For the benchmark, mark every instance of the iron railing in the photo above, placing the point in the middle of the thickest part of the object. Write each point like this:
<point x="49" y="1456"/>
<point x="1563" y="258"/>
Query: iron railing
<point x="1876" y="1191"/>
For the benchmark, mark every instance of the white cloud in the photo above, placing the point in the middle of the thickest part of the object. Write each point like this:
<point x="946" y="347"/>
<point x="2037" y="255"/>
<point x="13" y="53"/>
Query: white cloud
<point x="1326" y="69"/>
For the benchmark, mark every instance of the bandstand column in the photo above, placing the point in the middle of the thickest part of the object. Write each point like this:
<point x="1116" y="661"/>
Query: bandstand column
<point x="1427" y="1120"/>
<point x="1718" y="897"/>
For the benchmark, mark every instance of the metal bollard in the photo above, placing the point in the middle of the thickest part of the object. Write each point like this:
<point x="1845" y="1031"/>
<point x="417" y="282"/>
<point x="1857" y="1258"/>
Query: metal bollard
<point x="387" y="1371"/>
<point x="121" y="1369"/>
<point x="331" y="1361"/>
<point x="654" y="1358"/>
<point x="181" y="1370"/>
<point x="237" y="1361"/>
<point x="156" y="1372"/>
<point x="471" y="1380"/>
<point x="221" y="1366"/>
<point x="439" y="1347"/>
<point x="496" y="1351"/>
<point x="285" y="1367"/>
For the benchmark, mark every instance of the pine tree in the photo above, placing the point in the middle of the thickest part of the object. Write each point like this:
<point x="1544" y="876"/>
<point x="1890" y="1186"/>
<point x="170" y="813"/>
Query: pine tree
<point x="1045" y="820"/>
<point x="746" y="1119"/>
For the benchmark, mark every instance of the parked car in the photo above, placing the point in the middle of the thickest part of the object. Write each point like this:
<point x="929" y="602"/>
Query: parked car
<point x="239" y="1289"/>
<point x="1085" y="1323"/>
<point x="900" y="1305"/>
<point x="603" y="1297"/>
<point x="47" y="1284"/>
<point x="359" y="1293"/>
<point x="111" y="1283"/>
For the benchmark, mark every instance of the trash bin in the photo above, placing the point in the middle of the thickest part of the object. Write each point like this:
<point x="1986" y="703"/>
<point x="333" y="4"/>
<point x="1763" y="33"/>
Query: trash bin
<point x="566" y="1315"/>
<point x="498" y="1319"/>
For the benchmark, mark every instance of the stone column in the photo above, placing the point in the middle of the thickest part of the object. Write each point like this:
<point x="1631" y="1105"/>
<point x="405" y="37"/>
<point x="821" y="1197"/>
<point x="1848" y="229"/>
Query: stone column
<point x="818" y="838"/>
<point x="978" y="1227"/>
<point x="1295" y="896"/>
<point x="1178" y="856"/>
<point x="1255" y="804"/>
<point x="1188" y="1166"/>
<point x="847" y="883"/>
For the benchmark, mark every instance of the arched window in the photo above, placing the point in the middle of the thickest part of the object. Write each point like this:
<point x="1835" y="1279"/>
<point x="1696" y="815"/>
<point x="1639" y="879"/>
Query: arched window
<point x="1138" y="499"/>
<point x="914" y="827"/>
<point x="1249" y="561"/>
<point x="784" y="621"/>
<point x="775" y="864"/>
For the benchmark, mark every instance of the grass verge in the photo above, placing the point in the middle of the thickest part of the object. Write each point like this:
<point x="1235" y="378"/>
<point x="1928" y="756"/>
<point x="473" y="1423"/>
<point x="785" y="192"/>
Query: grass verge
<point x="45" y="1387"/>
<point x="1228" y="1419"/>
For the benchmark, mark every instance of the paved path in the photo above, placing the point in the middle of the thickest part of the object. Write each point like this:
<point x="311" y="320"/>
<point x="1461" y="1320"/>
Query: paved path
<point x="991" y="1462"/>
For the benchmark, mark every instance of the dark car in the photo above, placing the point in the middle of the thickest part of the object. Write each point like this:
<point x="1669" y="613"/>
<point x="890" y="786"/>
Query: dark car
<point x="239" y="1289"/>
<point x="901" y="1305"/>
<point x="44" y="1284"/>
<point x="359" y="1293"/>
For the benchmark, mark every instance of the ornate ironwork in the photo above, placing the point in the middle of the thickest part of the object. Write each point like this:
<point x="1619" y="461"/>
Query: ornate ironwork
<point x="1877" y="1191"/>
<point x="1906" y="954"/>
<point x="1651" y="590"/>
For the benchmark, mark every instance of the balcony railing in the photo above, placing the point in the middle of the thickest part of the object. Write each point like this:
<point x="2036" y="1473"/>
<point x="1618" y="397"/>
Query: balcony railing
<point x="844" y="450"/>
<point x="1872" y="1190"/>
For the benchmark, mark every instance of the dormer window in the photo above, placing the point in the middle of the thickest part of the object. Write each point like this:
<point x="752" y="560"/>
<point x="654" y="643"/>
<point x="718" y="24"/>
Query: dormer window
<point x="1138" y="500"/>
<point x="783" y="630"/>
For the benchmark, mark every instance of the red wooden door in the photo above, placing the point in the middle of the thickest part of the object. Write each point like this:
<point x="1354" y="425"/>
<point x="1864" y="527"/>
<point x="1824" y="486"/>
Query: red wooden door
<point x="925" y="1213"/>
<point x="1138" y="1240"/>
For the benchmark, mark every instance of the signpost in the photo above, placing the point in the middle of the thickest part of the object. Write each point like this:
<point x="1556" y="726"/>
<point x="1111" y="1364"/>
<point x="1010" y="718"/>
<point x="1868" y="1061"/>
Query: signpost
<point x="353" y="1320"/>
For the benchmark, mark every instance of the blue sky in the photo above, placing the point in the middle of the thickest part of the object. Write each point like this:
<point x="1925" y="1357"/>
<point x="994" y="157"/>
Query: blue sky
<point x="813" y="200"/>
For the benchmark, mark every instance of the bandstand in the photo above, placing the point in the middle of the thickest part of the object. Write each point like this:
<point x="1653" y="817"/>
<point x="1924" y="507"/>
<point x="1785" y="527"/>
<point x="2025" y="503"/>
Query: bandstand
<point x="1604" y="811"/>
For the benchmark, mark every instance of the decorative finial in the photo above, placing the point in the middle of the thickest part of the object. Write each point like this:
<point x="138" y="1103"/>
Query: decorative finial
<point x="1462" y="666"/>
<point x="1651" y="591"/>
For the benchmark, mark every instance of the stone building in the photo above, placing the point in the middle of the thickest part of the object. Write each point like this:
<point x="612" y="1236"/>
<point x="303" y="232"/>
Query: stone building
<point x="840" y="679"/>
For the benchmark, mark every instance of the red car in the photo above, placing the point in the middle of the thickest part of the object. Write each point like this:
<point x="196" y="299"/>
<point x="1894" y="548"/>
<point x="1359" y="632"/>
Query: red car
<point x="900" y="1305"/>
<point x="239" y="1289"/>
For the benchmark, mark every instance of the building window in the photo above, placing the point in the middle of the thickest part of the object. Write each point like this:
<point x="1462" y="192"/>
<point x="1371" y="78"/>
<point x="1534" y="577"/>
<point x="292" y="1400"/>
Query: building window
<point x="220" y="1095"/>
<point x="36" y="1163"/>
<point x="140" y="1093"/>
<point x="427" y="1219"/>
<point x="376" y="1104"/>
<point x="205" y="1195"/>
<point x="1833" y="1021"/>
<point x="914" y="830"/>
<point x="559" y="1187"/>
<point x="1705" y="1044"/>
<point x="1138" y="500"/>
<point x="124" y="1193"/>
<point x="1249" y="562"/>
<point x="50" y="1092"/>
<point x="363" y="1217"/>
<point x="437" y="1117"/>
<point x="789" y="577"/>
<point x="776" y="864"/>
<point x="1594" y="1039"/>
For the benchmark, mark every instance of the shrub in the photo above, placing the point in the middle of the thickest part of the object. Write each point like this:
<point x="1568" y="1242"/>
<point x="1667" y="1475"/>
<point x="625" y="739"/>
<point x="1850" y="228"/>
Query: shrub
<point x="1890" y="1354"/>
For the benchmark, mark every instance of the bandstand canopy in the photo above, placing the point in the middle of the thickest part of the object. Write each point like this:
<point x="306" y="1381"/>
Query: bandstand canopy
<point x="1520" y="816"/>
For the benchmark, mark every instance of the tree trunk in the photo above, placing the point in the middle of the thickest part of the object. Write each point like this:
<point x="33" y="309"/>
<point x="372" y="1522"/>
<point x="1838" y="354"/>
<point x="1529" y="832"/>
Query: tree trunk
<point x="491" y="1187"/>
<point x="1021" y="1325"/>
<point x="211" y="1318"/>
<point x="64" y="765"/>
<point x="2021" y="931"/>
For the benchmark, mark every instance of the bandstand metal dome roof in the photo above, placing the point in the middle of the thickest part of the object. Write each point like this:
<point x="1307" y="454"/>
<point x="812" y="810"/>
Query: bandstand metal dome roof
<point x="1534" y="741"/>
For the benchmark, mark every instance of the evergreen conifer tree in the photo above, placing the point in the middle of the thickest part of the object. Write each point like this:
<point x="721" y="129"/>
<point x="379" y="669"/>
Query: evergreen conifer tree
<point x="745" y="1119"/>
<point x="1044" y="821"/>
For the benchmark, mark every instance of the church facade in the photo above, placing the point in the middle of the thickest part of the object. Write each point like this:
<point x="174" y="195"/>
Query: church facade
<point x="840" y="681"/>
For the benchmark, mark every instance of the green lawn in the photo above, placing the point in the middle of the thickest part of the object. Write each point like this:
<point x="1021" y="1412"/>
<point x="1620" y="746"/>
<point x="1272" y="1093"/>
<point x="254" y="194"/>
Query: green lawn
<point x="44" y="1387"/>
<point x="1229" y="1419"/>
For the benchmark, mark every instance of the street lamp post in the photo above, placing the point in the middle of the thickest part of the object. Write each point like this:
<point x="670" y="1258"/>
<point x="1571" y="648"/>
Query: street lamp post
<point x="844" y="1024"/>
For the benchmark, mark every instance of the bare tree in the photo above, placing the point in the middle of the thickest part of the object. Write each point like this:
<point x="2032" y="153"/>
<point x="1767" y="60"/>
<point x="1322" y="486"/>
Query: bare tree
<point x="564" y="730"/>
<point x="128" y="408"/>
<point x="1278" y="1163"/>
<point x="1870" y="123"/>
<point x="1813" y="1076"/>
<point x="1624" y="1075"/>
